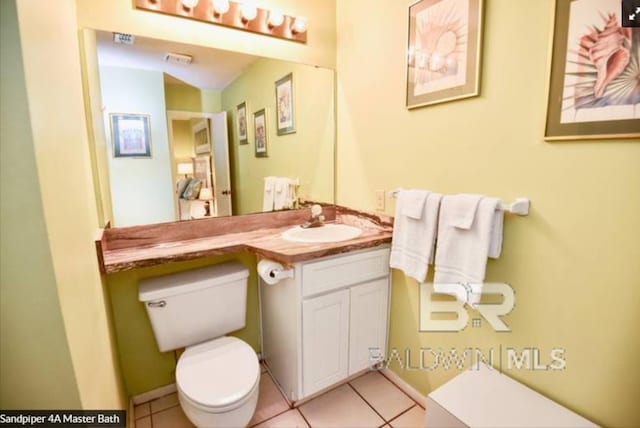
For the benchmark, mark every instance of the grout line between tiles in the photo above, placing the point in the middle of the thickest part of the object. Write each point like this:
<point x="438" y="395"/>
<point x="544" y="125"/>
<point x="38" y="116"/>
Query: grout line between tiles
<point x="368" y="404"/>
<point x="281" y="395"/>
<point x="270" y="417"/>
<point x="303" y="417"/>
<point x="162" y="410"/>
<point x="402" y="413"/>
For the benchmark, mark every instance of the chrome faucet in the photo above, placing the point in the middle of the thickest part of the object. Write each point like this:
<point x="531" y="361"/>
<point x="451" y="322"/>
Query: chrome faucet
<point x="317" y="218"/>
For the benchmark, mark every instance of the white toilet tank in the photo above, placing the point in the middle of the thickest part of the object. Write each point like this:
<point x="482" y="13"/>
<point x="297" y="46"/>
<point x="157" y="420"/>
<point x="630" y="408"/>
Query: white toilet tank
<point x="197" y="305"/>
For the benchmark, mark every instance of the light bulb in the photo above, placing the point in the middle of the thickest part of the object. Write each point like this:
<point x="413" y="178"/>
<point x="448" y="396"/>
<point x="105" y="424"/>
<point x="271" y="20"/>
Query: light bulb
<point x="299" y="26"/>
<point x="220" y="6"/>
<point x="248" y="11"/>
<point x="276" y="18"/>
<point x="190" y="4"/>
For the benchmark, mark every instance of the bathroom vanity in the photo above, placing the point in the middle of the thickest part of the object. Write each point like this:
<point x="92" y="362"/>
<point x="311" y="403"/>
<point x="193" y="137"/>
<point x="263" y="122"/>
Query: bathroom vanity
<point x="317" y="327"/>
<point x="328" y="322"/>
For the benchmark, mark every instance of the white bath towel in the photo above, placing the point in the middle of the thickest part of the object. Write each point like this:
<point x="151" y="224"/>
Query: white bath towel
<point x="291" y="196"/>
<point x="463" y="246"/>
<point x="269" y="193"/>
<point x="281" y="196"/>
<point x="413" y="238"/>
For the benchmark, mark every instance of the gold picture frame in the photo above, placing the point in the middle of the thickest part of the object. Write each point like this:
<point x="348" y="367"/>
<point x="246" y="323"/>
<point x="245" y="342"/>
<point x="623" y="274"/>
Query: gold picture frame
<point x="444" y="51"/>
<point x="585" y="100"/>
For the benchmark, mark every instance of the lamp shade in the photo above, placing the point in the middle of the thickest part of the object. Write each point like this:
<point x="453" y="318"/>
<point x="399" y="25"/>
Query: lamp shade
<point x="185" y="168"/>
<point x="206" y="194"/>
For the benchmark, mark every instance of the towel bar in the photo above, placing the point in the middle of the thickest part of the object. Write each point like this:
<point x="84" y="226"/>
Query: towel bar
<point x="519" y="207"/>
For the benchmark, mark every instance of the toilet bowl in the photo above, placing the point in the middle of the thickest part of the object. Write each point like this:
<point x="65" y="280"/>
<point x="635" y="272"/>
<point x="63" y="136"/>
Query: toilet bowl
<point x="217" y="376"/>
<point x="218" y="383"/>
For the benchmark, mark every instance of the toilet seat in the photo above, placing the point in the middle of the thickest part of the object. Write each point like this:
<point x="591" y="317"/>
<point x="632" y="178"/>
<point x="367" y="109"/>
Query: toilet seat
<point x="219" y="375"/>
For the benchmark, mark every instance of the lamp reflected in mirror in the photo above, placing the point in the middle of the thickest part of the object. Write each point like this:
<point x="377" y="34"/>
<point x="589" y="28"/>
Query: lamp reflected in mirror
<point x="206" y="195"/>
<point x="185" y="169"/>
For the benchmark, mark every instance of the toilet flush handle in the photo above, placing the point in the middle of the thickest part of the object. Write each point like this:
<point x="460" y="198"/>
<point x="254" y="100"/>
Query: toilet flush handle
<point x="157" y="304"/>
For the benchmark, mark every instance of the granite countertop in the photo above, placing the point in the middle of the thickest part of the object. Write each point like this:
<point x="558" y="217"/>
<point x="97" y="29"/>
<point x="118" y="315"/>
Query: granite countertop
<point x="121" y="249"/>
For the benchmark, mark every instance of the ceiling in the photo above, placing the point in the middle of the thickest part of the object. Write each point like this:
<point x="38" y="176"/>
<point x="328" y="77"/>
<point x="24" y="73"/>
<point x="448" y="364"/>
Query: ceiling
<point x="210" y="69"/>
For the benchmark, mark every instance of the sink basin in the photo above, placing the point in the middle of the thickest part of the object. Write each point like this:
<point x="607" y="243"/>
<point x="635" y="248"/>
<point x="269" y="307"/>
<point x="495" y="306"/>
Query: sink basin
<point x="326" y="233"/>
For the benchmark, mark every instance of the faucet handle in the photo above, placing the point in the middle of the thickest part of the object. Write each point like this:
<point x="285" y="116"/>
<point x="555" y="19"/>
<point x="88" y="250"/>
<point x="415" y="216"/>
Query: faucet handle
<point x="316" y="210"/>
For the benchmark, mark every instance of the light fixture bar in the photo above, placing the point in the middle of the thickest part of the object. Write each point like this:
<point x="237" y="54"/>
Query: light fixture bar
<point x="204" y="11"/>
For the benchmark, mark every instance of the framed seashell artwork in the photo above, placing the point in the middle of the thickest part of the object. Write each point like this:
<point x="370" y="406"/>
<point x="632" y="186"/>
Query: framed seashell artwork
<point x="594" y="83"/>
<point x="444" y="51"/>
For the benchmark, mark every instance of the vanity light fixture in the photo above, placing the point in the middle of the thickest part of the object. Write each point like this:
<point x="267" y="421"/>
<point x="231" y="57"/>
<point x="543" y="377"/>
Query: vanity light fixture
<point x="220" y="7"/>
<point x="248" y="11"/>
<point x="189" y="4"/>
<point x="276" y="18"/>
<point x="241" y="15"/>
<point x="299" y="26"/>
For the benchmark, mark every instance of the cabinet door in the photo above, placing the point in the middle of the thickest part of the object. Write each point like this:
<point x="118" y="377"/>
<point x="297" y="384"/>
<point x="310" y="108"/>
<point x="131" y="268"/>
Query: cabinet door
<point x="368" y="324"/>
<point x="325" y="343"/>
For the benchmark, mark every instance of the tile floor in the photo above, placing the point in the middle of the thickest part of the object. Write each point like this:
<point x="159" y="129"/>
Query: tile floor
<point x="370" y="400"/>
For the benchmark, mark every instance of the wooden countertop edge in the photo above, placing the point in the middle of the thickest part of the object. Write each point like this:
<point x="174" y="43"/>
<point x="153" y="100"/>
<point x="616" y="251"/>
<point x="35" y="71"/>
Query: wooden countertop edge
<point x="337" y="248"/>
<point x="267" y="243"/>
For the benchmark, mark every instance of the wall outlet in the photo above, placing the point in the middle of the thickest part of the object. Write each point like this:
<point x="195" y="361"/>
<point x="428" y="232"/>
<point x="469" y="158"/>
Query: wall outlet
<point x="380" y="199"/>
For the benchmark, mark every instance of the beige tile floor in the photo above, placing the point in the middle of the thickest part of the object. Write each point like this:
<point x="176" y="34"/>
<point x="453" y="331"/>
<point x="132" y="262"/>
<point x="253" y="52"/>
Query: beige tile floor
<point x="370" y="400"/>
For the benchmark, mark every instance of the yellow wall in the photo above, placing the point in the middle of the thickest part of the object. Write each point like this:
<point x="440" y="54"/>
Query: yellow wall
<point x="50" y="50"/>
<point x="190" y="98"/>
<point x="182" y="142"/>
<point x="36" y="370"/>
<point x="573" y="261"/>
<point x="306" y="154"/>
<point x="118" y="15"/>
<point x="144" y="367"/>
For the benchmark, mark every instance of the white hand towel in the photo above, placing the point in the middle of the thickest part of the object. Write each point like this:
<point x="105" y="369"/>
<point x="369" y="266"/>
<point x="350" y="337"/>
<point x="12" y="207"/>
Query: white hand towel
<point x="413" y="239"/>
<point x="269" y="192"/>
<point x="413" y="203"/>
<point x="281" y="195"/>
<point x="461" y="254"/>
<point x="291" y="195"/>
<point x="461" y="210"/>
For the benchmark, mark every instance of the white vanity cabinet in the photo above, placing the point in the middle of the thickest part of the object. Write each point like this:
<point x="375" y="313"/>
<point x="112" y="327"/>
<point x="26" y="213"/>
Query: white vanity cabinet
<point x="322" y="325"/>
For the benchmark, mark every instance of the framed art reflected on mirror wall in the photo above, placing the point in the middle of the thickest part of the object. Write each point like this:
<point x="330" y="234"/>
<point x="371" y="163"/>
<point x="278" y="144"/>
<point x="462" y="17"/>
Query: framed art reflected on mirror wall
<point x="444" y="51"/>
<point x="260" y="133"/>
<point x="285" y="115"/>
<point x="130" y="135"/>
<point x="202" y="143"/>
<point x="242" y="127"/>
<point x="594" y="83"/>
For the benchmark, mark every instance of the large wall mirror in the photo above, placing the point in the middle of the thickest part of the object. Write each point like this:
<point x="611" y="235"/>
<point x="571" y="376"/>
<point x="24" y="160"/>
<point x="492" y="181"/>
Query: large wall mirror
<point x="184" y="132"/>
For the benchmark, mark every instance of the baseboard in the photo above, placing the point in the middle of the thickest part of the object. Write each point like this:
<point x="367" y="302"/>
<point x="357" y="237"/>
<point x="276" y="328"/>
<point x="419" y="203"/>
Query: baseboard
<point x="153" y="394"/>
<point x="131" y="417"/>
<point x="405" y="387"/>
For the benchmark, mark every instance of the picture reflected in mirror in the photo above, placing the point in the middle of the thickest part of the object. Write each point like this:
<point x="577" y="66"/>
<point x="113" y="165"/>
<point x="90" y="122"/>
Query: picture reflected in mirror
<point x="216" y="128"/>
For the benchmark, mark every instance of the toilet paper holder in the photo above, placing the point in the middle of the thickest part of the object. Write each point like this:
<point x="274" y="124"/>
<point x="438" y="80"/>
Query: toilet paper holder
<point x="281" y="273"/>
<point x="272" y="272"/>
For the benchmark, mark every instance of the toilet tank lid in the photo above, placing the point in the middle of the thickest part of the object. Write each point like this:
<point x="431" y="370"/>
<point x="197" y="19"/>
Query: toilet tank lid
<point x="189" y="281"/>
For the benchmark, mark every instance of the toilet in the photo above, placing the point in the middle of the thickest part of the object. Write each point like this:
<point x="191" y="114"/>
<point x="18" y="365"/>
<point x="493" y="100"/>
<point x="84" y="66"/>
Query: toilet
<point x="217" y="376"/>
